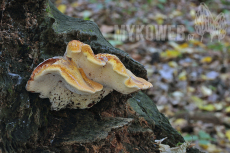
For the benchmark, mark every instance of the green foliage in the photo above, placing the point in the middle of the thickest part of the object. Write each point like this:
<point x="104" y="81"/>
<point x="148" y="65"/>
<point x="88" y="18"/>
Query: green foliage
<point x="218" y="46"/>
<point x="190" y="137"/>
<point x="86" y="15"/>
<point x="179" y="143"/>
<point x="203" y="138"/>
<point x="48" y="9"/>
<point x="212" y="88"/>
<point x="115" y="42"/>
<point x="225" y="2"/>
<point x="161" y="3"/>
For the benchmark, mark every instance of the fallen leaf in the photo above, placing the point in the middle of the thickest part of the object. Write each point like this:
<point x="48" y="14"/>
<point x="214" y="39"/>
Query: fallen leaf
<point x="190" y="89"/>
<point x="218" y="106"/>
<point x="86" y="14"/>
<point x="179" y="123"/>
<point x="199" y="102"/>
<point x="227" y="110"/>
<point x="178" y="94"/>
<point x="166" y="73"/>
<point x="62" y="8"/>
<point x="204" y="77"/>
<point x="170" y="54"/>
<point x="172" y="64"/>
<point x="150" y="70"/>
<point x="228" y="134"/>
<point x="206" y="91"/>
<point x="193" y="13"/>
<point x="196" y="42"/>
<point x="74" y="4"/>
<point x="203" y="135"/>
<point x="219" y="130"/>
<point x="185" y="62"/>
<point x="204" y="144"/>
<point x="175" y="13"/>
<point x="184" y="45"/>
<point x="183" y="48"/>
<point x="182" y="76"/>
<point x="213" y="148"/>
<point x="207" y="59"/>
<point x="159" y="18"/>
<point x="212" y="75"/>
<point x="190" y="137"/>
<point x="226" y="120"/>
<point x="209" y="107"/>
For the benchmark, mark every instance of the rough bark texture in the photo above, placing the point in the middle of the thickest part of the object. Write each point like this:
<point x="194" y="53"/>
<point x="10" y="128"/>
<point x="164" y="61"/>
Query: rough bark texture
<point x="34" y="30"/>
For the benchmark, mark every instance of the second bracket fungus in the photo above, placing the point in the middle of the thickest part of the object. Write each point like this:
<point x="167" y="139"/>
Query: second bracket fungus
<point x="80" y="79"/>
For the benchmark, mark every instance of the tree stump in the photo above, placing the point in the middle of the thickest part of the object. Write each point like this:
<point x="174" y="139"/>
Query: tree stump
<point x="34" y="30"/>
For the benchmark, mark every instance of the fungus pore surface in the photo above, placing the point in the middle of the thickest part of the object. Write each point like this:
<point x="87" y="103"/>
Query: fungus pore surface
<point x="80" y="79"/>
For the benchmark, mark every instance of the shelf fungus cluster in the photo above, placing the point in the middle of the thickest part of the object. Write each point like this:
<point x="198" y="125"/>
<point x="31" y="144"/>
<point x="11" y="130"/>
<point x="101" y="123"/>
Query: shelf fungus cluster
<point x="80" y="79"/>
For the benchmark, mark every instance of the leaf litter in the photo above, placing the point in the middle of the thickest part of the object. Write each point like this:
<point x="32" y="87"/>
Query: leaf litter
<point x="191" y="78"/>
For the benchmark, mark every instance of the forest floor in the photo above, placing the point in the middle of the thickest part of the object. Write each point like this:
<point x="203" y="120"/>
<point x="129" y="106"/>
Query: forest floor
<point x="190" y="76"/>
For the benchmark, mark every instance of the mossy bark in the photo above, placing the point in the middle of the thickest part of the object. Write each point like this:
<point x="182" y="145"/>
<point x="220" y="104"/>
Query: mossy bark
<point x="34" y="30"/>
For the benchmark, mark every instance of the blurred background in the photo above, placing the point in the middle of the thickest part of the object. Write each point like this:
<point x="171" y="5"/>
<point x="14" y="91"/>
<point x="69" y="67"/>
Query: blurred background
<point x="191" y="77"/>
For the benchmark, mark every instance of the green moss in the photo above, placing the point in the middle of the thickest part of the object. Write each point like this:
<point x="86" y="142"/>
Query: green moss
<point x="31" y="112"/>
<point x="48" y="10"/>
<point x="10" y="136"/>
<point x="10" y="90"/>
<point x="46" y="120"/>
<point x="179" y="143"/>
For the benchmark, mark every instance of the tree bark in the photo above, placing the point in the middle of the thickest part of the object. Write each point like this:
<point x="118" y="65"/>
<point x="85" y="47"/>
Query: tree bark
<point x="34" y="30"/>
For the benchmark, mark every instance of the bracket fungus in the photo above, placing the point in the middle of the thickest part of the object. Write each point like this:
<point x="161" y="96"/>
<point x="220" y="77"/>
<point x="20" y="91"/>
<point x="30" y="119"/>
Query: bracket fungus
<point x="80" y="79"/>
